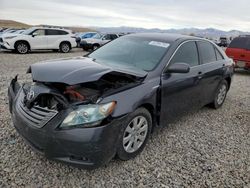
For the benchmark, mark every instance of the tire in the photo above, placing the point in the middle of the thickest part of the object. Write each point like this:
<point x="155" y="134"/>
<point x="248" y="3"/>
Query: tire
<point x="126" y="152"/>
<point x="85" y="49"/>
<point x="65" y="47"/>
<point x="220" y="95"/>
<point x="22" y="47"/>
<point x="95" y="46"/>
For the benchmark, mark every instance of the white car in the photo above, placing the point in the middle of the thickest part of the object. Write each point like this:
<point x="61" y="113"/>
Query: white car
<point x="97" y="41"/>
<point x="39" y="38"/>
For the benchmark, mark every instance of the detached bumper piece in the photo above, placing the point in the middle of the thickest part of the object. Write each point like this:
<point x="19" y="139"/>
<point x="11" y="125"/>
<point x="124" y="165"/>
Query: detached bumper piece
<point x="39" y="126"/>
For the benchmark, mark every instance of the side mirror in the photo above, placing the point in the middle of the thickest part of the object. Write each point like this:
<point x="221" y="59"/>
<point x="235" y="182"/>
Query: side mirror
<point x="34" y="34"/>
<point x="178" y="68"/>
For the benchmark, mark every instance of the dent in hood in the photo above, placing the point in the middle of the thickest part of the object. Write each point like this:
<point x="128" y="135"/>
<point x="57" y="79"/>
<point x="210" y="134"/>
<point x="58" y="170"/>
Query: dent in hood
<point x="76" y="70"/>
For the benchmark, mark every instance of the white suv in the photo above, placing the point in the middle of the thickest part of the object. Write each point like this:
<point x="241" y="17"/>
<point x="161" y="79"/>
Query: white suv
<point x="39" y="38"/>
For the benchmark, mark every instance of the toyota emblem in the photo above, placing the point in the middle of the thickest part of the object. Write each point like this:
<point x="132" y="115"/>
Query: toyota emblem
<point x="30" y="95"/>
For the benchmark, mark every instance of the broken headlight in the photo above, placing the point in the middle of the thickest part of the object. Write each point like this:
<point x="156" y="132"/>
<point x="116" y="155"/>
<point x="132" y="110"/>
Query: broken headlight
<point x="88" y="115"/>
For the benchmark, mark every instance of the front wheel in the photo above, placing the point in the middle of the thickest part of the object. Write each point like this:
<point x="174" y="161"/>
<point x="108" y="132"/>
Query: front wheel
<point x="22" y="48"/>
<point x="220" y="95"/>
<point x="134" y="134"/>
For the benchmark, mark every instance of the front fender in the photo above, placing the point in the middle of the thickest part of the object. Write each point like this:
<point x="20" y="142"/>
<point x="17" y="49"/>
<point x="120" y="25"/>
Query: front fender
<point x="129" y="100"/>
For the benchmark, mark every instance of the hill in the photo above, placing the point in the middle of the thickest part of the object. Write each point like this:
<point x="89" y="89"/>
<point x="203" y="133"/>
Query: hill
<point x="14" y="24"/>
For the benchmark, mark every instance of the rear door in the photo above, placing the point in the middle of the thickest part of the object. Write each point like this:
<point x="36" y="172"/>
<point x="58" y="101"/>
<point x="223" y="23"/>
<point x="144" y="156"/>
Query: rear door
<point x="212" y="70"/>
<point x="54" y="37"/>
<point x="181" y="92"/>
<point x="38" y="40"/>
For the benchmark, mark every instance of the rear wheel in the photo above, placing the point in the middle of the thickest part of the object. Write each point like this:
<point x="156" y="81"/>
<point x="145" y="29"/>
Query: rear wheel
<point x="64" y="47"/>
<point x="220" y="95"/>
<point x="22" y="47"/>
<point x="134" y="134"/>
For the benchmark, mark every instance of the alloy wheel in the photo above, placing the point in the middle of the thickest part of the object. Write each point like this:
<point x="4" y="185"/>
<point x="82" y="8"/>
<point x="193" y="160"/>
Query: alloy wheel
<point x="65" y="48"/>
<point x="22" y="48"/>
<point x="222" y="94"/>
<point x="135" y="134"/>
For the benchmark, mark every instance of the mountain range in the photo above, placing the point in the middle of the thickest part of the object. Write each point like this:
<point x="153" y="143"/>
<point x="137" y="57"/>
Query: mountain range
<point x="208" y="33"/>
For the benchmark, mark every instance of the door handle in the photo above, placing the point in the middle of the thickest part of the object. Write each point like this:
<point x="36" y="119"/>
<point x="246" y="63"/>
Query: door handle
<point x="199" y="75"/>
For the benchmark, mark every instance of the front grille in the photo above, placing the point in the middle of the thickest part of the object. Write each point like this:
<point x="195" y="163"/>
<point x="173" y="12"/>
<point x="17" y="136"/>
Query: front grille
<point x="1" y="40"/>
<point x="35" y="116"/>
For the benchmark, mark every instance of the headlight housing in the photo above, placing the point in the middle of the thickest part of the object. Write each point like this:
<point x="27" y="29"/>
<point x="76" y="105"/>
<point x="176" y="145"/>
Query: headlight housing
<point x="10" y="37"/>
<point x="88" y="115"/>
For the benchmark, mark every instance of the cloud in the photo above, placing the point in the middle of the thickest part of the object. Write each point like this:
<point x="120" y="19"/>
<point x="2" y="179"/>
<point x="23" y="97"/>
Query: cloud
<point x="164" y="14"/>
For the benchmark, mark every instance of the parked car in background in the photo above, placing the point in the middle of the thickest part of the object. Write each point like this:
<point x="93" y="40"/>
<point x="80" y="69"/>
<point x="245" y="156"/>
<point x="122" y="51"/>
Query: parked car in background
<point x="223" y="42"/>
<point x="85" y="35"/>
<point x="39" y="38"/>
<point x="97" y="40"/>
<point x="239" y="51"/>
<point x="86" y="110"/>
<point x="19" y="31"/>
<point x="9" y="30"/>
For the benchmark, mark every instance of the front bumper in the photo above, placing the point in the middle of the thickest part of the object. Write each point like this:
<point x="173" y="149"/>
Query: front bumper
<point x="6" y="46"/>
<point x="81" y="147"/>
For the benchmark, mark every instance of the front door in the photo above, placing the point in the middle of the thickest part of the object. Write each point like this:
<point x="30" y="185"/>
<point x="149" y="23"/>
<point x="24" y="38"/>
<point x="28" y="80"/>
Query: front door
<point x="181" y="92"/>
<point x="38" y="40"/>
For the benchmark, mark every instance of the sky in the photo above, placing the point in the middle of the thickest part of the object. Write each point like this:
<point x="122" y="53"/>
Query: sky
<point x="164" y="14"/>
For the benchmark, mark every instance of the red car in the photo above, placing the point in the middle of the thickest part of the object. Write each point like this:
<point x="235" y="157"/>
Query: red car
<point x="239" y="51"/>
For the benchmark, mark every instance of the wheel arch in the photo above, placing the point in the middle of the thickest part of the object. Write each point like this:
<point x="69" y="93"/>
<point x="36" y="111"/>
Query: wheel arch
<point x="24" y="41"/>
<point x="96" y="44"/>
<point x="151" y="109"/>
<point x="228" y="79"/>
<point x="65" y="41"/>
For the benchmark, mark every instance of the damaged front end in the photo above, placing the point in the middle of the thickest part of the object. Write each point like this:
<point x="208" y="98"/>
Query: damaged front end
<point x="39" y="102"/>
<point x="69" y="119"/>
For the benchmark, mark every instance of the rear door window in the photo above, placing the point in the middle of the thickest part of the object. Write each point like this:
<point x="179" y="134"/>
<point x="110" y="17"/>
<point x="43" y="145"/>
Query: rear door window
<point x="187" y="53"/>
<point x="107" y="37"/>
<point x="113" y="37"/>
<point x="55" y="32"/>
<point x="207" y="52"/>
<point x="239" y="42"/>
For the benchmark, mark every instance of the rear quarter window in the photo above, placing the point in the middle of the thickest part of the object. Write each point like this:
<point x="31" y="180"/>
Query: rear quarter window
<point x="219" y="56"/>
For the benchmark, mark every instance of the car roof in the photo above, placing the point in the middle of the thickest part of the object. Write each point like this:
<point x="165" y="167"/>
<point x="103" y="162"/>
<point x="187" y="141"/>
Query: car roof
<point x="56" y="28"/>
<point x="164" y="37"/>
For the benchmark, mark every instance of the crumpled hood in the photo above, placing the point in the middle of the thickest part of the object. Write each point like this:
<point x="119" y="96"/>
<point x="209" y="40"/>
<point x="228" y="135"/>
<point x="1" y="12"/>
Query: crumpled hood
<point x="77" y="70"/>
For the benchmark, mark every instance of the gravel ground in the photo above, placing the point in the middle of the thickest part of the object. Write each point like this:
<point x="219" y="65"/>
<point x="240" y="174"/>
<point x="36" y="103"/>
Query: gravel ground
<point x="209" y="148"/>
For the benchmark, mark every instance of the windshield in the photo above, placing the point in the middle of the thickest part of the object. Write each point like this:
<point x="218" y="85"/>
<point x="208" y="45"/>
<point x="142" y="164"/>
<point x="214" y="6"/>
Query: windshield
<point x="133" y="52"/>
<point x="28" y="31"/>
